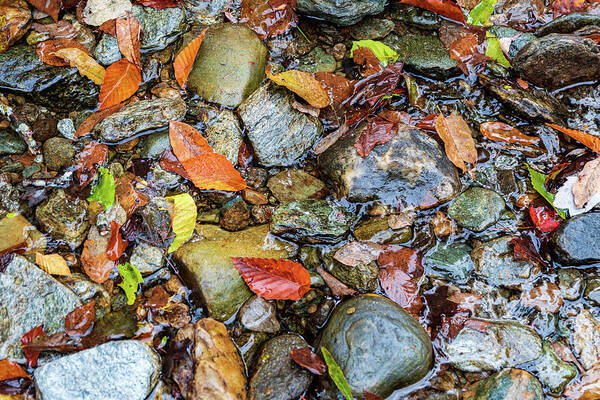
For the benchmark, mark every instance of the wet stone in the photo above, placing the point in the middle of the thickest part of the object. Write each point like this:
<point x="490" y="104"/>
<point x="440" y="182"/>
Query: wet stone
<point x="586" y="338"/>
<point x="139" y="117"/>
<point x="276" y="376"/>
<point x="147" y="259"/>
<point x="361" y="277"/>
<point x="317" y="61"/>
<point x="507" y="384"/>
<point x="11" y="142"/>
<point x="236" y="217"/>
<point x="570" y="283"/>
<point x="545" y="298"/>
<point x="450" y="261"/>
<point x="568" y="23"/>
<point x="362" y="333"/>
<point x="294" y="184"/>
<point x="280" y="135"/>
<point x="576" y="240"/>
<point x="411" y="170"/>
<point x="592" y="289"/>
<point x="112" y="371"/>
<point x="107" y="50"/>
<point x="205" y="11"/>
<point x="416" y="16"/>
<point x="58" y="153"/>
<point x="156" y="220"/>
<point x="155" y="144"/>
<point x="518" y="39"/>
<point x="371" y="28"/>
<point x="30" y="297"/>
<point x="224" y="134"/>
<point x="378" y="230"/>
<point x="311" y="221"/>
<point x="341" y="12"/>
<point x="477" y="208"/>
<point x="552" y="371"/>
<point x="258" y="315"/>
<point x="15" y="22"/>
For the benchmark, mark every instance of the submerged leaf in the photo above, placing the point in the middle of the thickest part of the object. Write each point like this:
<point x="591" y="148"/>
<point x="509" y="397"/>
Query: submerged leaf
<point x="47" y="49"/>
<point x="31" y="355"/>
<point x="591" y="141"/>
<point x="79" y="321"/>
<point x="481" y="13"/>
<point x="104" y="191"/>
<point x="121" y="81"/>
<point x="184" y="219"/>
<point x="92" y="155"/>
<point x="53" y="264"/>
<point x="116" y="243"/>
<point x="309" y="360"/>
<point x="11" y="370"/>
<point x="458" y="142"/>
<point x="85" y="64"/>
<point x="378" y="131"/>
<point x="500" y="131"/>
<point x="336" y="374"/>
<point x="131" y="279"/>
<point x="538" y="181"/>
<point x="185" y="60"/>
<point x="383" y="52"/>
<point x="268" y="17"/>
<point x="303" y="84"/>
<point x="50" y="7"/>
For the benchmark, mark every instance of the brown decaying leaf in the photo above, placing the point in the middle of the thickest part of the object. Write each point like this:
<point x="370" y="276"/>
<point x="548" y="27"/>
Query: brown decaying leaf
<point x="109" y="27"/>
<point x="11" y="370"/>
<point x="91" y="157"/>
<point x="53" y="264"/>
<point x="274" y="279"/>
<point x="121" y="81"/>
<point x="128" y="38"/>
<point x="47" y="49"/>
<point x="401" y="267"/>
<point x="367" y="60"/>
<point x="468" y="52"/>
<point x="268" y="17"/>
<point x="502" y="132"/>
<point x="306" y="109"/>
<point x="85" y="64"/>
<point x="50" y="7"/>
<point x="588" y="183"/>
<point x="60" y="30"/>
<point x="370" y="396"/>
<point x="303" y="84"/>
<point x="338" y="289"/>
<point x="183" y="63"/>
<point x="591" y="141"/>
<point x="170" y="163"/>
<point x="94" y="260"/>
<point x="95" y="118"/>
<point x="378" y="131"/>
<point x="399" y="117"/>
<point x="356" y="253"/>
<point x="129" y="198"/>
<point x="458" y="142"/>
<point x="587" y="387"/>
<point x="309" y="360"/>
<point x="79" y="322"/>
<point x="15" y="23"/>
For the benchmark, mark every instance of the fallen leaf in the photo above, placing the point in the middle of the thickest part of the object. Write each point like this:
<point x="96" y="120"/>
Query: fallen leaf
<point x="14" y="24"/>
<point x="184" y="219"/>
<point x="104" y="191"/>
<point x="544" y="218"/>
<point x="170" y="163"/>
<point x="131" y="279"/>
<point x="274" y="279"/>
<point x="95" y="261"/>
<point x="378" y="131"/>
<point x="11" y="370"/>
<point x="109" y="27"/>
<point x="268" y="18"/>
<point x="591" y="141"/>
<point x="338" y="288"/>
<point x="129" y="198"/>
<point x="502" y="132"/>
<point x="303" y="84"/>
<point x="92" y="156"/>
<point x="31" y="355"/>
<point x="356" y="253"/>
<point x="481" y="13"/>
<point x="524" y="250"/>
<point x="468" y="52"/>
<point x="306" y="109"/>
<point x="186" y="141"/>
<point x="185" y="60"/>
<point x="368" y="62"/>
<point x="50" y="7"/>
<point x="79" y="322"/>
<point x="587" y="387"/>
<point x="400" y="270"/>
<point x="85" y="64"/>
<point x="95" y="118"/>
<point x="159" y="4"/>
<point x="121" y="81"/>
<point x="427" y="123"/>
<point x="538" y="181"/>
<point x="494" y="50"/>
<point x="445" y="8"/>
<point x="53" y="264"/>
<point x="305" y="357"/>
<point x="47" y="49"/>
<point x="337" y="375"/>
<point x="399" y="117"/>
<point x="370" y="396"/>
<point x="381" y="51"/>
<point x="128" y="37"/>
<point x="116" y="243"/>
<point x="458" y="142"/>
<point x="60" y="30"/>
<point x="587" y="184"/>
<point x="565" y="7"/>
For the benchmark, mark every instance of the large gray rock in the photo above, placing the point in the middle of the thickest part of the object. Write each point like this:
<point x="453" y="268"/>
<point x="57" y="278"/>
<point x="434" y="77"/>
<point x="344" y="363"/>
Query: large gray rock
<point x="558" y="60"/>
<point x="30" y="297"/>
<point x="568" y="23"/>
<point x="410" y="170"/>
<point x="377" y="344"/>
<point x="280" y="134"/>
<point x="341" y="12"/>
<point x="119" y="370"/>
<point x="576" y="240"/>
<point x="139" y="117"/>
<point x="230" y="65"/>
<point x="224" y="134"/>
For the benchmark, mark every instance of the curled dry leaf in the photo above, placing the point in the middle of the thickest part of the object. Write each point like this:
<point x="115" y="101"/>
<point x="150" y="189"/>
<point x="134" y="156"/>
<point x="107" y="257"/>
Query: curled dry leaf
<point x="274" y="279"/>
<point x="95" y="118"/>
<point x="128" y="37"/>
<point x="91" y="157"/>
<point x="53" y="264"/>
<point x="268" y="17"/>
<point x="338" y="288"/>
<point x="591" y="141"/>
<point x="303" y="84"/>
<point x="587" y="184"/>
<point x="502" y="132"/>
<point x="458" y="142"/>
<point x="85" y="64"/>
<point x="79" y="321"/>
<point x="183" y="63"/>
<point x="11" y="370"/>
<point x="47" y="49"/>
<point x="356" y="253"/>
<point x="121" y="81"/>
<point x="445" y="8"/>
<point x="50" y="7"/>
<point x="306" y="358"/>
<point x="367" y="60"/>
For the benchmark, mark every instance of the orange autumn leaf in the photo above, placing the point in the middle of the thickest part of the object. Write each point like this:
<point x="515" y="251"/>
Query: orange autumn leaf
<point x="458" y="142"/>
<point x="95" y="261"/>
<point x="128" y="38"/>
<point x="11" y="370"/>
<point x="303" y="84"/>
<point x="186" y="141"/>
<point x="47" y="49"/>
<point x="50" y="7"/>
<point x="445" y="8"/>
<point x="499" y="131"/>
<point x="95" y="118"/>
<point x="274" y="279"/>
<point x="90" y="158"/>
<point x="185" y="60"/>
<point x="121" y="81"/>
<point x="591" y="141"/>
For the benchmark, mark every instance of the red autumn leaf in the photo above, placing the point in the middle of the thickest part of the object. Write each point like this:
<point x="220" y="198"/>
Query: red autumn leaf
<point x="544" y="218"/>
<point x="46" y="51"/>
<point x="109" y="27"/>
<point x="445" y="8"/>
<point x="401" y="268"/>
<point x="305" y="357"/>
<point x="121" y="81"/>
<point x="268" y="18"/>
<point x="274" y="279"/>
<point x="159" y="4"/>
<point x="427" y="123"/>
<point x="128" y="38"/>
<point x="170" y="163"/>
<point x="116" y="243"/>
<point x="524" y="250"/>
<point x="370" y="396"/>
<point x="11" y="370"/>
<point x="95" y="118"/>
<point x="469" y="53"/>
<point x="502" y="132"/>
<point x="591" y="141"/>
<point x="92" y="156"/>
<point x="378" y="131"/>
<point x="158" y="298"/>
<point x="245" y="155"/>
<point x="50" y="7"/>
<point x="564" y="7"/>
<point x="32" y="355"/>
<point x="185" y="60"/>
<point x="79" y="321"/>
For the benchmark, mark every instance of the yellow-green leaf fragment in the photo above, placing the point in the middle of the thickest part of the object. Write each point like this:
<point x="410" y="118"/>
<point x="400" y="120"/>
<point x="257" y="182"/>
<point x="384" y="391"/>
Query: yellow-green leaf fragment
<point x="184" y="219"/>
<point x="383" y="52"/>
<point x="538" y="181"/>
<point x="336" y="374"/>
<point x="494" y="51"/>
<point x="131" y="279"/>
<point x="481" y="13"/>
<point x="104" y="191"/>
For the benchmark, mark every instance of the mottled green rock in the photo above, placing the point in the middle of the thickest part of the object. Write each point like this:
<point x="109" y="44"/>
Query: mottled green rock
<point x="416" y="16"/>
<point x="230" y="65"/>
<point x="206" y="266"/>
<point x="311" y="221"/>
<point x="155" y="144"/>
<point x="317" y="61"/>
<point x="477" y="208"/>
<point x="64" y="218"/>
<point x="294" y="184"/>
<point x="361" y="277"/>
<point x="11" y="143"/>
<point x="508" y="384"/>
<point x="552" y="371"/>
<point x="378" y="230"/>
<point x="451" y="261"/>
<point x="364" y="332"/>
<point x="570" y="282"/>
<point x="371" y="28"/>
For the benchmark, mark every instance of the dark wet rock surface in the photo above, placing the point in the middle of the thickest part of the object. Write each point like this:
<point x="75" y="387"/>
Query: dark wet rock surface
<point x="450" y="261"/>
<point x="64" y="218"/>
<point x="506" y="384"/>
<point x="344" y="12"/>
<point x="575" y="241"/>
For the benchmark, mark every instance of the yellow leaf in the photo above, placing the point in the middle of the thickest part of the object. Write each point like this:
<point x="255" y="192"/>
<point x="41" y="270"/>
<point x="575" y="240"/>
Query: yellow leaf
<point x="184" y="219"/>
<point x="303" y="84"/>
<point x="53" y="264"/>
<point x="86" y="65"/>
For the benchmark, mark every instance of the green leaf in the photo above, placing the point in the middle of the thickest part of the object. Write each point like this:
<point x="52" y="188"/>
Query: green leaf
<point x="336" y="374"/>
<point x="494" y="51"/>
<point x="538" y="181"/>
<point x="131" y="278"/>
<point x="11" y="215"/>
<point x="481" y="13"/>
<point x="104" y="191"/>
<point x="184" y="219"/>
<point x="383" y="53"/>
